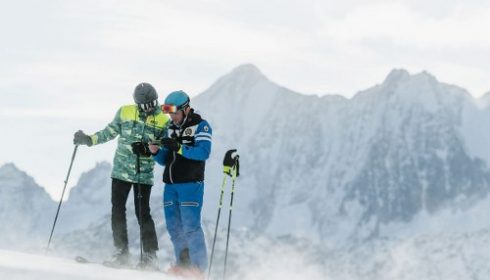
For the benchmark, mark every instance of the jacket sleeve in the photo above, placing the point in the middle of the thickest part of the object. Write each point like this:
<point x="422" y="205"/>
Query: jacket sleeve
<point x="161" y="156"/>
<point x="111" y="131"/>
<point x="202" y="146"/>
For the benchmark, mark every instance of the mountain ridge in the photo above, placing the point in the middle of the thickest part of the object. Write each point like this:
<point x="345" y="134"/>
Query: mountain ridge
<point x="347" y="167"/>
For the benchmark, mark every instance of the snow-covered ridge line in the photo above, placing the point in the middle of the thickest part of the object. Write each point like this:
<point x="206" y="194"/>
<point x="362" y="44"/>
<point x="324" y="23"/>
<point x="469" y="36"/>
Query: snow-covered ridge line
<point x="403" y="164"/>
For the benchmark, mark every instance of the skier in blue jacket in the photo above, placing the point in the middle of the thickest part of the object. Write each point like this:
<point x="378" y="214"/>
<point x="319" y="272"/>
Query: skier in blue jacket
<point x="183" y="153"/>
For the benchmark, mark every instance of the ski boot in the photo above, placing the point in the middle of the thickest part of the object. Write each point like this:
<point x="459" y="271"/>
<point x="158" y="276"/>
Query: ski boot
<point x="119" y="259"/>
<point x="190" y="272"/>
<point x="149" y="261"/>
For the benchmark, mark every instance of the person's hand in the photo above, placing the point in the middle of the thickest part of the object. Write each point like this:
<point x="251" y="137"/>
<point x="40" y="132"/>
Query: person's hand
<point x="140" y="148"/>
<point x="171" y="144"/>
<point x="154" y="148"/>
<point x="80" y="138"/>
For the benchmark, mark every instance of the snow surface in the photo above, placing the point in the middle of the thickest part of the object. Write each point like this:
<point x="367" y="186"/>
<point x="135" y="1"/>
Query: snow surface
<point x="23" y="266"/>
<point x="391" y="184"/>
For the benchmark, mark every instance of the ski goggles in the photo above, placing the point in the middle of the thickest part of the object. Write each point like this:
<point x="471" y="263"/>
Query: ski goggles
<point x="172" y="109"/>
<point x="169" y="109"/>
<point x="148" y="106"/>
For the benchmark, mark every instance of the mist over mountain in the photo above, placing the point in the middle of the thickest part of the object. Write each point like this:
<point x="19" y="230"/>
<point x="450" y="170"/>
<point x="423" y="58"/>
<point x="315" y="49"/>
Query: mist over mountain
<point x="24" y="208"/>
<point x="400" y="168"/>
<point x="338" y="167"/>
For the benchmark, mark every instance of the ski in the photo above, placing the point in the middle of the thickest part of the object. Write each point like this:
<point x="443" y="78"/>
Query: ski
<point x="83" y="260"/>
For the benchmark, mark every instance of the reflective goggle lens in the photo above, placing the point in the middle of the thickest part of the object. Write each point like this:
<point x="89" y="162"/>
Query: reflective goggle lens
<point x="166" y="108"/>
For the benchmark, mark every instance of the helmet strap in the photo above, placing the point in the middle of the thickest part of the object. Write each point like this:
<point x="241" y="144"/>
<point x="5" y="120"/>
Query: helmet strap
<point x="148" y="108"/>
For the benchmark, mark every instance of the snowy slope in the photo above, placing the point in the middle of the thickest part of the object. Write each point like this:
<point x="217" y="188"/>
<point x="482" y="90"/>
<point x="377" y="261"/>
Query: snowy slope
<point x="22" y="266"/>
<point x="26" y="209"/>
<point x="88" y="200"/>
<point x="330" y="168"/>
<point x="455" y="256"/>
<point x="346" y="168"/>
<point x="391" y="184"/>
<point x="432" y="257"/>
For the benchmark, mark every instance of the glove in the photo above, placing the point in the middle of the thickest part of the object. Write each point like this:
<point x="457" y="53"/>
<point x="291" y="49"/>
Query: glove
<point x="230" y="162"/>
<point x="171" y="144"/>
<point x="140" y="148"/>
<point x="81" y="138"/>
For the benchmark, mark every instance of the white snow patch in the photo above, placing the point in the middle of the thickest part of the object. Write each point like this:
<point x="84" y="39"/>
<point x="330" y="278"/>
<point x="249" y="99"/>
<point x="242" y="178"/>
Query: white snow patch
<point x="22" y="266"/>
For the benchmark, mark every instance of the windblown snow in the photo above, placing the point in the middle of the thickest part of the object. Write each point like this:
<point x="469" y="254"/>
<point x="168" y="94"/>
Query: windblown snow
<point x="390" y="184"/>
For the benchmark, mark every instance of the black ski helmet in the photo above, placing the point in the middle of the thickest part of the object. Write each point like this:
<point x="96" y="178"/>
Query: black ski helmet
<point x="146" y="97"/>
<point x="144" y="93"/>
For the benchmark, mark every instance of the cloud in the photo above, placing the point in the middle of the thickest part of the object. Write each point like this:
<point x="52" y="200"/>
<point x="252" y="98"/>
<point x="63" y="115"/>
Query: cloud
<point x="405" y="26"/>
<point x="108" y="46"/>
<point x="80" y="60"/>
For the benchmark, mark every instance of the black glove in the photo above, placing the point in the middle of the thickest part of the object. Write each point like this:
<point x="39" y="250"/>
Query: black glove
<point x="171" y="144"/>
<point x="230" y="162"/>
<point x="140" y="148"/>
<point x="81" y="138"/>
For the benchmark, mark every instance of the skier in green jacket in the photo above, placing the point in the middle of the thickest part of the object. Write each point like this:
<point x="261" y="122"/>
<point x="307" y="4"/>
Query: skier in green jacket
<point x="136" y="125"/>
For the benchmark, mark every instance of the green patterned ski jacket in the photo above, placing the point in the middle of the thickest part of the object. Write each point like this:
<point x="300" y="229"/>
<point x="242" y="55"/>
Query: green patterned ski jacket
<point x="132" y="126"/>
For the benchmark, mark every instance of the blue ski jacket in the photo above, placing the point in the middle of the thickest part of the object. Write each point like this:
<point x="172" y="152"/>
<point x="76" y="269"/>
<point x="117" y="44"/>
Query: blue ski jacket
<point x="187" y="164"/>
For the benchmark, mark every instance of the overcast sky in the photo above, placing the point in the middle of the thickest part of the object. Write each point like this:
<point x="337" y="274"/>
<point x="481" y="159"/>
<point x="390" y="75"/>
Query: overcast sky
<point x="68" y="65"/>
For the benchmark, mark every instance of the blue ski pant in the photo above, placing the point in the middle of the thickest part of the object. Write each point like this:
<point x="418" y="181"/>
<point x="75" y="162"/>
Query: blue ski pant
<point x="182" y="204"/>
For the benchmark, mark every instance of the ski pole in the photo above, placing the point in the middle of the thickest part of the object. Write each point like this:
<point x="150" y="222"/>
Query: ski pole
<point x="220" y="205"/>
<point x="138" y="185"/>
<point x="62" y="194"/>
<point x="234" y="175"/>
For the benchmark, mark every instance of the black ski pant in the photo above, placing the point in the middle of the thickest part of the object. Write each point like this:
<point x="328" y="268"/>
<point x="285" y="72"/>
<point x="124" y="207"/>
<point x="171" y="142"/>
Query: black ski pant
<point x="120" y="192"/>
